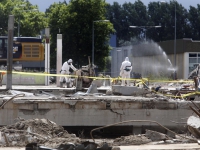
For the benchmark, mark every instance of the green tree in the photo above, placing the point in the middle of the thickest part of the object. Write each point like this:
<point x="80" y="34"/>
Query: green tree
<point x="75" y="22"/>
<point x="3" y="20"/>
<point x="31" y="21"/>
<point x="194" y="19"/>
<point x="56" y="14"/>
<point x="124" y="16"/>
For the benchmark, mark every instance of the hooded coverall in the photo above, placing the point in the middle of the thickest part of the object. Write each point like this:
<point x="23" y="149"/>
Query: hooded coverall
<point x="125" y="71"/>
<point x="196" y="79"/>
<point x="65" y="70"/>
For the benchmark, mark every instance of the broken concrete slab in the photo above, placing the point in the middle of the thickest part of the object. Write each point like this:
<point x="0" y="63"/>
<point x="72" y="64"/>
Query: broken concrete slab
<point x="156" y="136"/>
<point x="194" y="126"/>
<point x="15" y="92"/>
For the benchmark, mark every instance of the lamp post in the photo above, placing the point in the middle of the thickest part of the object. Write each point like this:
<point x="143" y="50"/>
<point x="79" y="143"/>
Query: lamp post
<point x="19" y="20"/>
<point x="145" y="28"/>
<point x="93" y="37"/>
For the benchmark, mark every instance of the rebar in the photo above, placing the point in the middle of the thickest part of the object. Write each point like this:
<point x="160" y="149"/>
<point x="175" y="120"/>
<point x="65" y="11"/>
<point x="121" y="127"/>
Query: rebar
<point x="138" y="121"/>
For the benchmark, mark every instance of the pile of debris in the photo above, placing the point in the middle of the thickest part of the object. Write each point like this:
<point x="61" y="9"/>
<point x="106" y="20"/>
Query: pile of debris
<point x="152" y="137"/>
<point x="41" y="131"/>
<point x="48" y="134"/>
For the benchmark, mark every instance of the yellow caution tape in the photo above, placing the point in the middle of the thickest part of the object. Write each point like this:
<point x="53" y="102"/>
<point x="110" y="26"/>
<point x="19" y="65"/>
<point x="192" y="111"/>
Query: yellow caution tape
<point x="141" y="81"/>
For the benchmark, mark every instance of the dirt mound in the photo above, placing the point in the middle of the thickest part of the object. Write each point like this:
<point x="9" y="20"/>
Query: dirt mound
<point x="41" y="131"/>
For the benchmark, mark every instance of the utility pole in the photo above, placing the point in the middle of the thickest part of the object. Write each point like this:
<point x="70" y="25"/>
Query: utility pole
<point x="10" y="52"/>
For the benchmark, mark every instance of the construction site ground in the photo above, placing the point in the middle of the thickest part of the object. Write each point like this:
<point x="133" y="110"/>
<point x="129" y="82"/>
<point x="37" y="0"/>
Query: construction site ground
<point x="61" y="107"/>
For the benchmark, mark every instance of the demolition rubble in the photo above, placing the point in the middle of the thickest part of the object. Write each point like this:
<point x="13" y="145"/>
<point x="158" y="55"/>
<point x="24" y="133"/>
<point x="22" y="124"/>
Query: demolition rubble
<point x="47" y="133"/>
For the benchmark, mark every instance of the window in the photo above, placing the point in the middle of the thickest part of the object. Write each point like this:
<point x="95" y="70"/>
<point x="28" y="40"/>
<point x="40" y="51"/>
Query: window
<point x="194" y="59"/>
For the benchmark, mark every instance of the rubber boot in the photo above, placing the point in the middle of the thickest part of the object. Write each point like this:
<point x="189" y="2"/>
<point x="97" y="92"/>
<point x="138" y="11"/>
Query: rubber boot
<point x="68" y="84"/>
<point x="61" y="84"/>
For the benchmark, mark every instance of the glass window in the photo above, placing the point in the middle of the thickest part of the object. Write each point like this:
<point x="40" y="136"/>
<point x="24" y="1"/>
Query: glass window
<point x="192" y="60"/>
<point x="192" y="54"/>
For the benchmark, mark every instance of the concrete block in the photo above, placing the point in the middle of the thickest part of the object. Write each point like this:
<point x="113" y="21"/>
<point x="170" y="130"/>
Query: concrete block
<point x="128" y="90"/>
<point x="194" y="125"/>
<point x="156" y="136"/>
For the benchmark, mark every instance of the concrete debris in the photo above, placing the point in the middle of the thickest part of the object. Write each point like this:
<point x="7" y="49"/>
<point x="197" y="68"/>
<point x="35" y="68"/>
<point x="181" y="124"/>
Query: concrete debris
<point x="50" y="135"/>
<point x="15" y="92"/>
<point x="156" y="136"/>
<point x="193" y="124"/>
<point x="41" y="131"/>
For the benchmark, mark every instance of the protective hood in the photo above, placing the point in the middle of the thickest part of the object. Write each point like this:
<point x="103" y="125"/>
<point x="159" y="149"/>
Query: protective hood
<point x="126" y="59"/>
<point x="69" y="61"/>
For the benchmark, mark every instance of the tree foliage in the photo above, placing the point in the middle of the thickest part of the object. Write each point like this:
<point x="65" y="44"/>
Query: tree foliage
<point x="27" y="17"/>
<point x="75" y="21"/>
<point x="156" y="13"/>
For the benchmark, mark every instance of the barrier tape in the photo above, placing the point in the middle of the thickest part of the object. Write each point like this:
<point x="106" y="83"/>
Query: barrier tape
<point x="140" y="81"/>
<point x="182" y="95"/>
<point x="143" y="80"/>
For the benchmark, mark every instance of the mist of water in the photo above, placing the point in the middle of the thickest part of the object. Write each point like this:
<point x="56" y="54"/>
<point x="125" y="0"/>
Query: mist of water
<point x="149" y="59"/>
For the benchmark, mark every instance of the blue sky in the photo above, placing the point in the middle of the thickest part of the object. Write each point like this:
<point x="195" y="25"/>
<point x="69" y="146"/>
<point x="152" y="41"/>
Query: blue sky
<point x="44" y="4"/>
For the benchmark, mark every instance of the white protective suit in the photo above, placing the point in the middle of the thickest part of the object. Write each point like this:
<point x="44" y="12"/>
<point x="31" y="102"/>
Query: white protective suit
<point x="196" y="70"/>
<point x="125" y="71"/>
<point x="197" y="78"/>
<point x="65" y="70"/>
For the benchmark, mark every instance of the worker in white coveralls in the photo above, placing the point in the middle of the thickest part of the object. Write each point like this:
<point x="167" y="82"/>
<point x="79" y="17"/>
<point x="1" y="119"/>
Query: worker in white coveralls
<point x="196" y="77"/>
<point x="65" y="70"/>
<point x="125" y="71"/>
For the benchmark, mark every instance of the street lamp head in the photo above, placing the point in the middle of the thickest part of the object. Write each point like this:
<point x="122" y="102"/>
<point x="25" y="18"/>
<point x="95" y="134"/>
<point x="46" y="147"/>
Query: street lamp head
<point x="101" y="21"/>
<point x="133" y="26"/>
<point x="157" y="26"/>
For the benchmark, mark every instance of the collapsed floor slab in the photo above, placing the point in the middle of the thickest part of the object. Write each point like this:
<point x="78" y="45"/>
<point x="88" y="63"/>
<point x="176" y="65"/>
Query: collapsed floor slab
<point x="99" y="110"/>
